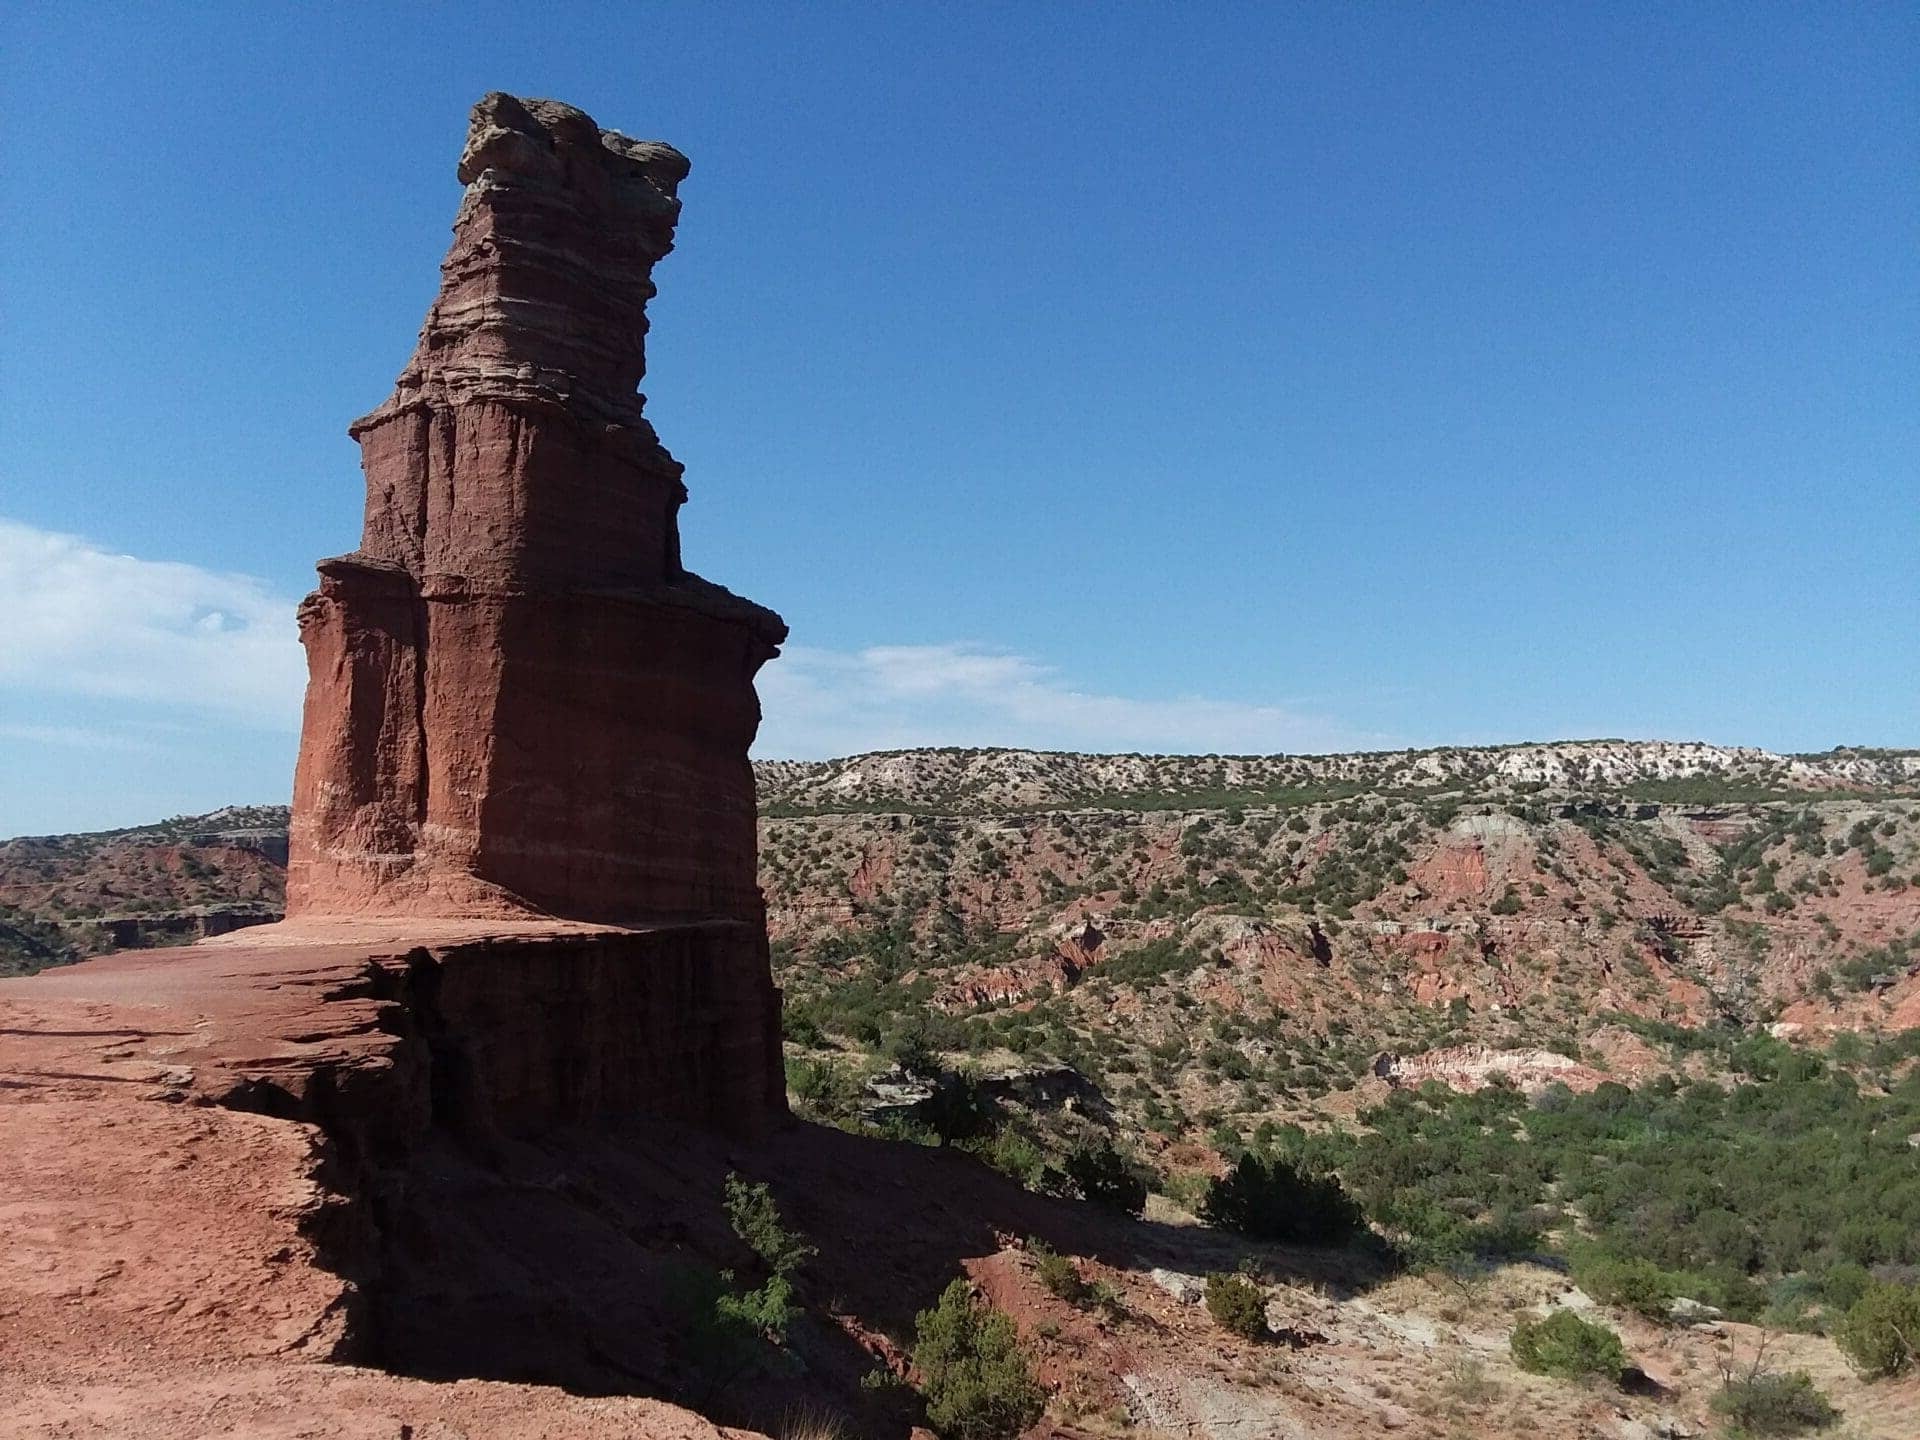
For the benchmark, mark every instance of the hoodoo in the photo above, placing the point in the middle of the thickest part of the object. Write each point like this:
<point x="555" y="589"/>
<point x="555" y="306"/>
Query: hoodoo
<point x="519" y="703"/>
<point x="524" y="749"/>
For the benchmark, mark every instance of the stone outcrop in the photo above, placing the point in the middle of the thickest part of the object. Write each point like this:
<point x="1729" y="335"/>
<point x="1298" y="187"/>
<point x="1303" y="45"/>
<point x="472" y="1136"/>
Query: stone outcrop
<point x="1474" y="1067"/>
<point x="519" y="702"/>
<point x="380" y="1042"/>
<point x="521" y="885"/>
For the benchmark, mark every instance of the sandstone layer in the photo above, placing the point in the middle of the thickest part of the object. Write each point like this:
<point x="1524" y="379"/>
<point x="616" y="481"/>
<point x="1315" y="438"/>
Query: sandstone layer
<point x="519" y="702"/>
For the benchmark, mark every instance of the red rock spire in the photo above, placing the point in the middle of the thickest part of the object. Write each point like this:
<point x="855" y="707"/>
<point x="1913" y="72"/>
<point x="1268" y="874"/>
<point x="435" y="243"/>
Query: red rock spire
<point x="518" y="701"/>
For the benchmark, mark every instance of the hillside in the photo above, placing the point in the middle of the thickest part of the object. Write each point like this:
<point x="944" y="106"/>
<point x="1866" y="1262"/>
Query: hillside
<point x="1242" y="936"/>
<point x="1527" y="884"/>
<point x="65" y="897"/>
<point x="1670" y="994"/>
<point x="1233" y="941"/>
<point x="1001" y="781"/>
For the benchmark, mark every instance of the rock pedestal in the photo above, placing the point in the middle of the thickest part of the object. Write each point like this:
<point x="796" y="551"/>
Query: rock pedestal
<point x="519" y="702"/>
<point x="520" y="705"/>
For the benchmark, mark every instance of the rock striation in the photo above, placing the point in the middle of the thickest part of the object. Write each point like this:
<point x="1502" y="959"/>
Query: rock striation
<point x="519" y="702"/>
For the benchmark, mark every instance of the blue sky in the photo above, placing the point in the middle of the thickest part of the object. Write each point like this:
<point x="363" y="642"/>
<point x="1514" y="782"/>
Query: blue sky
<point x="1126" y="376"/>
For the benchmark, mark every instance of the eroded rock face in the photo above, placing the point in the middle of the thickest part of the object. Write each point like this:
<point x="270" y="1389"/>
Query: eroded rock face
<point x="1473" y="1067"/>
<point x="519" y="702"/>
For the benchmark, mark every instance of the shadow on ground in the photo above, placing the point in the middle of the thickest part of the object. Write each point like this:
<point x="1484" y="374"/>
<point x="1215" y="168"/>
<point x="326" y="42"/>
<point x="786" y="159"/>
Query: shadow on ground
<point x="567" y="1260"/>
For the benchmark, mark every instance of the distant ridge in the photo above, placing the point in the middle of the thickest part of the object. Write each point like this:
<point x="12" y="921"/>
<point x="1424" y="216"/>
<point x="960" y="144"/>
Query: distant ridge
<point x="1014" y="779"/>
<point x="994" y="778"/>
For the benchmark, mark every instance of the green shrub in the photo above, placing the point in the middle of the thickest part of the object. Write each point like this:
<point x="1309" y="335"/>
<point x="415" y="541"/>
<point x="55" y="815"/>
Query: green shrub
<point x="1272" y="1198"/>
<point x="1633" y="1284"/>
<point x="1565" y="1345"/>
<point x="1058" y="1273"/>
<point x="729" y="1319"/>
<point x="801" y="1029"/>
<point x="756" y="1220"/>
<point x="1767" y="1404"/>
<point x="1104" y="1176"/>
<point x="1711" y="1186"/>
<point x="1102" y="1296"/>
<point x="1789" y="1303"/>
<point x="1737" y="1295"/>
<point x="1012" y="1154"/>
<point x="958" y="1109"/>
<point x="822" y="1089"/>
<point x="766" y="1310"/>
<point x="720" y="1337"/>
<point x="1236" y="1304"/>
<point x="975" y="1381"/>
<point x="1430" y="1237"/>
<point x="912" y="1046"/>
<point x="1880" y="1333"/>
<point x="1844" y="1284"/>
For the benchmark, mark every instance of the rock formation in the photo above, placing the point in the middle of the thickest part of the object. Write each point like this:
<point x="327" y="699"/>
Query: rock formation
<point x="523" y="715"/>
<point x="519" y="703"/>
<point x="521" y="884"/>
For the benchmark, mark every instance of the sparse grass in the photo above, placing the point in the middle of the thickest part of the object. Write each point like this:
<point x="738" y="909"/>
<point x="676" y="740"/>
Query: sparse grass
<point x="812" y="1423"/>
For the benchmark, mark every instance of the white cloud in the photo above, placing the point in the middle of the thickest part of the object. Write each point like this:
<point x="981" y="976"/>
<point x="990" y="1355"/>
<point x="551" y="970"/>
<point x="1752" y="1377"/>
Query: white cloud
<point x="127" y="634"/>
<point x="821" y="703"/>
<point x="76" y="620"/>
